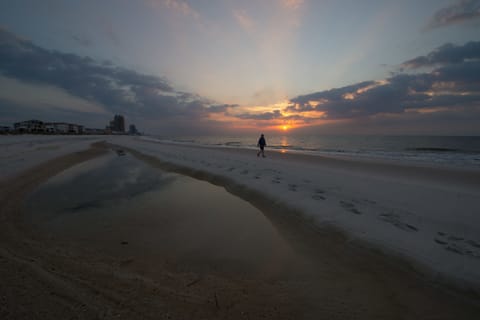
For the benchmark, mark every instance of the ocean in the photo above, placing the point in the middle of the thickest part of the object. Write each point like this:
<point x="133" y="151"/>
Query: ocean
<point x="456" y="151"/>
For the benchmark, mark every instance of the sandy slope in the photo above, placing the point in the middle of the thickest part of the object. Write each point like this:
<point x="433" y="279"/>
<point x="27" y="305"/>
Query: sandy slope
<point x="45" y="279"/>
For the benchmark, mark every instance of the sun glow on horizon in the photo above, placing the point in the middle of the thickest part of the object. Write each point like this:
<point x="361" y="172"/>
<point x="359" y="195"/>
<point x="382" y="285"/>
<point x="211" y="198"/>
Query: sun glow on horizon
<point x="278" y="117"/>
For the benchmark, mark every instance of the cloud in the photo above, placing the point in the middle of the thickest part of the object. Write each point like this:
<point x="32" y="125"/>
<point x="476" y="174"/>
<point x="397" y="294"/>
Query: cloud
<point x="79" y="76"/>
<point x="460" y="12"/>
<point x="45" y="97"/>
<point x="116" y="89"/>
<point x="447" y="54"/>
<point x="292" y="4"/>
<point x="82" y="40"/>
<point x="222" y="108"/>
<point x="276" y="114"/>
<point x="330" y="95"/>
<point x="244" y="20"/>
<point x="179" y="6"/>
<point x="454" y="85"/>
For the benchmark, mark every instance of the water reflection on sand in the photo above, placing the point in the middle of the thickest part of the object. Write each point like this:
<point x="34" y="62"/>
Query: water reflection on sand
<point x="122" y="206"/>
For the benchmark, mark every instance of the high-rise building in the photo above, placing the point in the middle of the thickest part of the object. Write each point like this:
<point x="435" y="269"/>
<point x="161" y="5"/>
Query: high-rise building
<point x="118" y="124"/>
<point x="132" y="130"/>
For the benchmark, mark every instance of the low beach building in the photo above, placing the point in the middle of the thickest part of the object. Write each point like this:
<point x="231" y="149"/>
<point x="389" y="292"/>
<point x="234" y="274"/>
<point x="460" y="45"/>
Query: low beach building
<point x="62" y="128"/>
<point x="5" y="129"/>
<point x="50" y="128"/>
<point x="37" y="126"/>
<point x="57" y="127"/>
<point x="29" y="126"/>
<point x="93" y="131"/>
<point x="75" y="128"/>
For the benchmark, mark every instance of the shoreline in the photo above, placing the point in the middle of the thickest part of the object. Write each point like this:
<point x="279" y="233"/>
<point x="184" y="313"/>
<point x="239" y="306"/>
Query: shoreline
<point x="357" y="157"/>
<point x="337" y="251"/>
<point x="398" y="168"/>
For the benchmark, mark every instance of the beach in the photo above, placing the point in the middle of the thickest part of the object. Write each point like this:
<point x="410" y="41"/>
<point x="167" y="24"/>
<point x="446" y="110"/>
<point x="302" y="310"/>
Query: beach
<point x="195" y="232"/>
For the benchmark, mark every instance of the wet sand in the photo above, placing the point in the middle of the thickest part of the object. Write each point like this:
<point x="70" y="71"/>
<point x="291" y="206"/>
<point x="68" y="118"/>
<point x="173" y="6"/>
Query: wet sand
<point x="194" y="264"/>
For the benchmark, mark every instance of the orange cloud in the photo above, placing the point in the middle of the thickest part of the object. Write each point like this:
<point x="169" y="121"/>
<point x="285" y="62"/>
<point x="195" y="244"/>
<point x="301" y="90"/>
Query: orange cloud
<point x="292" y="4"/>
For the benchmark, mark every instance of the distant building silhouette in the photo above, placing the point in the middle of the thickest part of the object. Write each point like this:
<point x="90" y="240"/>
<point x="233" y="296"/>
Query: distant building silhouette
<point x="117" y="124"/>
<point x="29" y="126"/>
<point x="132" y="130"/>
<point x="5" y="129"/>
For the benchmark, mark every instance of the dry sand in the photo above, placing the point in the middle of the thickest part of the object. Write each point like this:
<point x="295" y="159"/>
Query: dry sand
<point x="43" y="278"/>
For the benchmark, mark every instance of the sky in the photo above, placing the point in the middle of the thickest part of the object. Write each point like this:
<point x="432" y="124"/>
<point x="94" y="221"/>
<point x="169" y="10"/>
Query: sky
<point x="204" y="67"/>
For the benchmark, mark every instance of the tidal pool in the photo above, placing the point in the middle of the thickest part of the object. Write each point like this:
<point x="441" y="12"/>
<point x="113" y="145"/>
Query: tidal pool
<point x="121" y="206"/>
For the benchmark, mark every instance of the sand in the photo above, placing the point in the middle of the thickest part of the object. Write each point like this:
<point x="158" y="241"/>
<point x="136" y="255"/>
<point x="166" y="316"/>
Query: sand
<point x="333" y="276"/>
<point x="428" y="215"/>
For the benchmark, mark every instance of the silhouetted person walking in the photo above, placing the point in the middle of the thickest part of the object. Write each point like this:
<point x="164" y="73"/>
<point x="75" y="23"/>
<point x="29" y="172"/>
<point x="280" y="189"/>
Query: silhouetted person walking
<point x="261" y="143"/>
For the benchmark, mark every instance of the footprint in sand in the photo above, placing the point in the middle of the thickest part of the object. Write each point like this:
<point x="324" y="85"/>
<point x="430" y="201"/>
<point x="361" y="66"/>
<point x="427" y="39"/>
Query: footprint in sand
<point x="365" y="202"/>
<point x="230" y="169"/>
<point x="440" y="241"/>
<point x="292" y="187"/>
<point x="276" y="180"/>
<point x="473" y="243"/>
<point x="244" y="172"/>
<point x="318" y="195"/>
<point x="458" y="245"/>
<point x="350" y="207"/>
<point x="394" y="219"/>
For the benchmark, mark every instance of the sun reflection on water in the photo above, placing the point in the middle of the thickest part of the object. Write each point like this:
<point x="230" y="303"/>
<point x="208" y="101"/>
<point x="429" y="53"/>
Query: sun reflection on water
<point x="284" y="144"/>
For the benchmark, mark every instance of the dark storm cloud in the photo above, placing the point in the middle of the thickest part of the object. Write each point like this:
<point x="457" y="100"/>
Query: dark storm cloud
<point x="447" y="54"/>
<point x="454" y="83"/>
<point x="459" y="12"/>
<point x="118" y="89"/>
